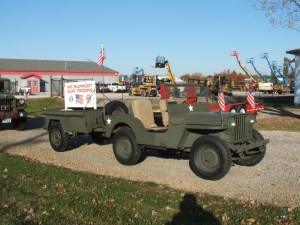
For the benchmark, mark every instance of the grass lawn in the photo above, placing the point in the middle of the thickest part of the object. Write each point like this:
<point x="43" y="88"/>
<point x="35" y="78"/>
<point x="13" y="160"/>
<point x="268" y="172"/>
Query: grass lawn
<point x="34" y="193"/>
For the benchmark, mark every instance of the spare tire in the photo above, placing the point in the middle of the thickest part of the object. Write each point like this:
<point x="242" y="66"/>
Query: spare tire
<point x="116" y="107"/>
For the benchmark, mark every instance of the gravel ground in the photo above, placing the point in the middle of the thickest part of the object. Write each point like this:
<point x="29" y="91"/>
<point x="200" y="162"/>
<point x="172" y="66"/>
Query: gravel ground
<point x="275" y="180"/>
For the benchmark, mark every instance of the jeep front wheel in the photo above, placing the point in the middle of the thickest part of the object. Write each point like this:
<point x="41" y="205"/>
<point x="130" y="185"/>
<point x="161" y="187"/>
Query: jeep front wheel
<point x="125" y="147"/>
<point x="59" y="140"/>
<point x="210" y="158"/>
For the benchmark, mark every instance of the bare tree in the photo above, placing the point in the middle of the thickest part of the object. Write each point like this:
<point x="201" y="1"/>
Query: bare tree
<point x="284" y="13"/>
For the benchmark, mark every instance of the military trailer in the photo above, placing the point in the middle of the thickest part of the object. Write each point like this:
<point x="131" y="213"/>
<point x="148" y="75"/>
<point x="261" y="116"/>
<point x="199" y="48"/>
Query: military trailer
<point x="213" y="140"/>
<point x="12" y="110"/>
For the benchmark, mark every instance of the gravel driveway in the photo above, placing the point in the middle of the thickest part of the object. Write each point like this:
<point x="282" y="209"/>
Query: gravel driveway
<point x="275" y="180"/>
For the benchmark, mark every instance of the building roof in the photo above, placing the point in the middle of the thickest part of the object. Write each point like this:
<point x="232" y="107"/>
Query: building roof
<point x="294" y="52"/>
<point x="52" y="65"/>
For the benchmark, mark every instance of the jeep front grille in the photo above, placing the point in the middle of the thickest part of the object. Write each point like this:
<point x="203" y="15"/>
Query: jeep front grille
<point x="241" y="130"/>
<point x="6" y="104"/>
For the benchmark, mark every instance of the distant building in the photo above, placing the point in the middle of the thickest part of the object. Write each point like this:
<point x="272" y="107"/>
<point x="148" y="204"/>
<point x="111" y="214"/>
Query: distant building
<point x="37" y="74"/>
<point x="296" y="52"/>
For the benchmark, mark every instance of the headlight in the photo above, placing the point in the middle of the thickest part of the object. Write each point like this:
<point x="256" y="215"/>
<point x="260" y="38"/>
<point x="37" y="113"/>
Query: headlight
<point x="233" y="124"/>
<point x="252" y="121"/>
<point x="22" y="101"/>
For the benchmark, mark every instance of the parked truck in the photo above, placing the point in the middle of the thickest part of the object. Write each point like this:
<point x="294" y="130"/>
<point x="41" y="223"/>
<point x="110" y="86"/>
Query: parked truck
<point x="213" y="140"/>
<point x="12" y="110"/>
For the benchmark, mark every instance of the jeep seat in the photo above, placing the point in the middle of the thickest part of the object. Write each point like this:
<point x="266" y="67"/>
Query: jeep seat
<point x="142" y="109"/>
<point x="164" y="112"/>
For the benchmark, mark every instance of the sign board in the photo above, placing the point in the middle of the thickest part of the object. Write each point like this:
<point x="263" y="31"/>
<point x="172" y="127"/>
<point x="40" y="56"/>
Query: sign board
<point x="80" y="95"/>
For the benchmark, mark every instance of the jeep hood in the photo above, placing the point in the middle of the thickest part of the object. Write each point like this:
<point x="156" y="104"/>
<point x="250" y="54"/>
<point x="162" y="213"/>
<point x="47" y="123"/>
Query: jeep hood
<point x="200" y="118"/>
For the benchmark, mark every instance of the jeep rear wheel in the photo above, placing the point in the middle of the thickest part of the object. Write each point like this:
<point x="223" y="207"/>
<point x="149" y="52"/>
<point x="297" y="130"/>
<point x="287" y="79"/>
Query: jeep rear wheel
<point x="59" y="140"/>
<point x="253" y="160"/>
<point x="210" y="158"/>
<point x="125" y="147"/>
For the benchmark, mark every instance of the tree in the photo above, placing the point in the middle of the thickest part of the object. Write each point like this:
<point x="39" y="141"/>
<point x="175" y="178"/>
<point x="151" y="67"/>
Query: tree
<point x="187" y="76"/>
<point x="284" y="13"/>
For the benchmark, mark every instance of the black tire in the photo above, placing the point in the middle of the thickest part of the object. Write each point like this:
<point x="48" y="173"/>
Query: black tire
<point x="210" y="158"/>
<point x="125" y="147"/>
<point x="97" y="138"/>
<point x="116" y="107"/>
<point x="241" y="109"/>
<point x="143" y="93"/>
<point x="253" y="159"/>
<point x="19" y="124"/>
<point x="59" y="140"/>
<point x="233" y="110"/>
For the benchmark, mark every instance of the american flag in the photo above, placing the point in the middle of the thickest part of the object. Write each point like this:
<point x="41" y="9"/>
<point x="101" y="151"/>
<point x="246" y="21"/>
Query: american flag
<point x="250" y="96"/>
<point x="79" y="99"/>
<point x="221" y="99"/>
<point x="102" y="56"/>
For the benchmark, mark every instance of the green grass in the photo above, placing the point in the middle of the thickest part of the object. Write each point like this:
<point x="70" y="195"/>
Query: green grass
<point x="34" y="193"/>
<point x="36" y="105"/>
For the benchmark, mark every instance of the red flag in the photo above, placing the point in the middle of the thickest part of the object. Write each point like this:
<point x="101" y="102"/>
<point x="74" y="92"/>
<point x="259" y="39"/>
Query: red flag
<point x="250" y="96"/>
<point x="221" y="99"/>
<point x="102" y="56"/>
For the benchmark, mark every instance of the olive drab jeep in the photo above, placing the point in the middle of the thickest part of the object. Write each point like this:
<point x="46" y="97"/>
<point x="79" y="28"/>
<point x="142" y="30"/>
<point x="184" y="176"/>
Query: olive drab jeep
<point x="12" y="110"/>
<point x="213" y="140"/>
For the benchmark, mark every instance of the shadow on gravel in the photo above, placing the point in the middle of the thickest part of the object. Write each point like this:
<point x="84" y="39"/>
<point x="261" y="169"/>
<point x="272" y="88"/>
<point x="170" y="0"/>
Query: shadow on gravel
<point x="32" y="141"/>
<point x="165" y="154"/>
<point x="81" y="140"/>
<point x="192" y="213"/>
<point x="32" y="123"/>
<point x="35" y="122"/>
<point x="281" y="112"/>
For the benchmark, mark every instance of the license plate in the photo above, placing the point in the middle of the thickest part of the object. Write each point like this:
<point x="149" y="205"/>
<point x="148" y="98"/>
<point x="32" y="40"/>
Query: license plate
<point x="8" y="120"/>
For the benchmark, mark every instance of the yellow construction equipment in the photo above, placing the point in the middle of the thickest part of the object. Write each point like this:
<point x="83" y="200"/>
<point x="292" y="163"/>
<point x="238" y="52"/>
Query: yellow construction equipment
<point x="143" y="85"/>
<point x="161" y="62"/>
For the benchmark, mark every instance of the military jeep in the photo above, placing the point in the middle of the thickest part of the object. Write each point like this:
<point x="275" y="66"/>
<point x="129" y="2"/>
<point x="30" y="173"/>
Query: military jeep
<point x="12" y="110"/>
<point x="213" y="140"/>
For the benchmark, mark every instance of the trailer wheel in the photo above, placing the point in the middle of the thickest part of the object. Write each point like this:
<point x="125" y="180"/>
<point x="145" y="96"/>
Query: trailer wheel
<point x="241" y="109"/>
<point x="210" y="158"/>
<point x="116" y="107"/>
<point x="59" y="140"/>
<point x="253" y="159"/>
<point x="19" y="124"/>
<point x="125" y="147"/>
<point x="233" y="110"/>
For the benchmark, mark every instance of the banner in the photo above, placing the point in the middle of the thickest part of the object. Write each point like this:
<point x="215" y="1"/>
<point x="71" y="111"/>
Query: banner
<point x="80" y="95"/>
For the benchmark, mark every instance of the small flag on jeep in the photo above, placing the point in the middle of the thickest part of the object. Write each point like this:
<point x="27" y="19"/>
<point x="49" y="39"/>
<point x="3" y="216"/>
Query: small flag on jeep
<point x="221" y="99"/>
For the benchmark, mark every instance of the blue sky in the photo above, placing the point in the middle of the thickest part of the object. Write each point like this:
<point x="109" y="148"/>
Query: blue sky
<point x="195" y="36"/>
